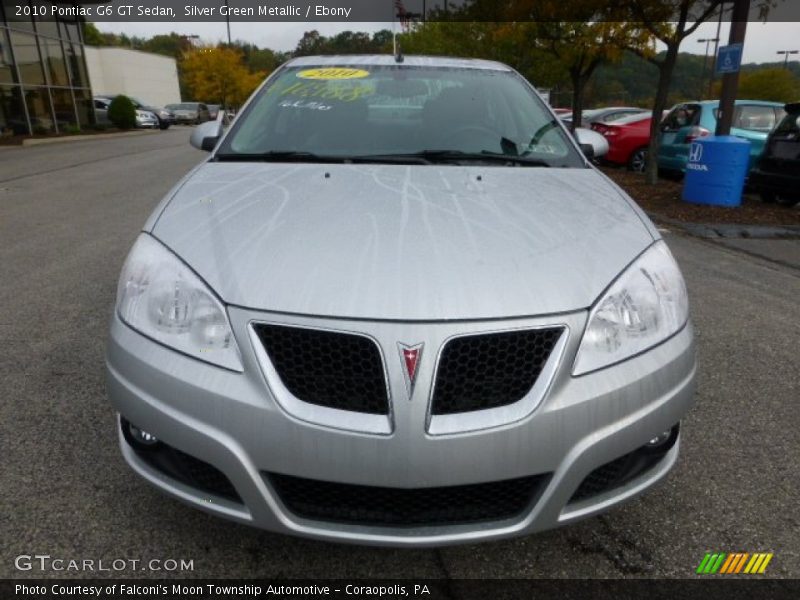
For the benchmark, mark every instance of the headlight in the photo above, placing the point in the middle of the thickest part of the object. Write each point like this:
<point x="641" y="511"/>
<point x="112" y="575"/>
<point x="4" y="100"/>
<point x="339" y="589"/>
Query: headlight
<point x="644" y="306"/>
<point x="162" y="298"/>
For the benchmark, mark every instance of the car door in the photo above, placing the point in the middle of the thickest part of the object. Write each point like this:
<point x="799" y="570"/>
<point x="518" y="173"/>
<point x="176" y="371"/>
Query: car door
<point x="676" y="134"/>
<point x="101" y="111"/>
<point x="782" y="150"/>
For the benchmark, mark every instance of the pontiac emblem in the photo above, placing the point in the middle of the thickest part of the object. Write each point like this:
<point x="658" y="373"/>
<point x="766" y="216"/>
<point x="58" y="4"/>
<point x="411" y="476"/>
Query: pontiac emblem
<point x="409" y="356"/>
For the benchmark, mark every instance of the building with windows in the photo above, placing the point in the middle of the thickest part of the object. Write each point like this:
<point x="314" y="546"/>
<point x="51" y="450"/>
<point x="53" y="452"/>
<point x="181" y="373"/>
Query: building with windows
<point x="44" y="85"/>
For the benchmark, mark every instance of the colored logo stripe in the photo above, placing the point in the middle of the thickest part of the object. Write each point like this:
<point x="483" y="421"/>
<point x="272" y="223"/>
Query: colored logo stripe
<point x="734" y="563"/>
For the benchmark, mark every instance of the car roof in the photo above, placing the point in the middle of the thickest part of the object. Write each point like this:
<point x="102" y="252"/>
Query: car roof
<point x="715" y="103"/>
<point x="389" y="60"/>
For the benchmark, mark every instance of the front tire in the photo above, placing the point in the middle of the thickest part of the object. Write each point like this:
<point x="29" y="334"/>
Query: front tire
<point x="638" y="160"/>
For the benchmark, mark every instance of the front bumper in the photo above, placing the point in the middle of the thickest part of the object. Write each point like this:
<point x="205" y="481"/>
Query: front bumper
<point x="146" y="123"/>
<point x="617" y="154"/>
<point x="242" y="424"/>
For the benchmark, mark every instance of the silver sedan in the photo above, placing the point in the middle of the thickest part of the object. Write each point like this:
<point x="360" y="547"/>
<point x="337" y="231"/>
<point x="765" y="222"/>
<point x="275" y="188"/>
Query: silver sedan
<point x="397" y="305"/>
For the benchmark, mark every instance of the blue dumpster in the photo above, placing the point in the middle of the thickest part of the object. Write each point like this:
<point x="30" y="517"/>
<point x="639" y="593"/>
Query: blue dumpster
<point x="716" y="171"/>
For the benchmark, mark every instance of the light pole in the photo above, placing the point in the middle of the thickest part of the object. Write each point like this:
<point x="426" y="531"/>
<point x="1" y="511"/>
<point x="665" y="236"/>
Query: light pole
<point x="787" y="53"/>
<point x="228" y="21"/>
<point x="707" y="42"/>
<point x="730" y="81"/>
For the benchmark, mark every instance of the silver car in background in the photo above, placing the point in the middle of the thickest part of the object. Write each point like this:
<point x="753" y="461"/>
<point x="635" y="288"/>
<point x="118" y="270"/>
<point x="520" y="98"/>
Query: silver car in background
<point x="189" y="113"/>
<point x="145" y="118"/>
<point x="397" y="305"/>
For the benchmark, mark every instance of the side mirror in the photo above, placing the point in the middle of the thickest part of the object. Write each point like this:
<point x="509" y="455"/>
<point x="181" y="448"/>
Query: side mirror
<point x="206" y="135"/>
<point x="592" y="143"/>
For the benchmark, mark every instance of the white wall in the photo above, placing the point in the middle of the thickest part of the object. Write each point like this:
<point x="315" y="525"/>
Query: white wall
<point x="150" y="78"/>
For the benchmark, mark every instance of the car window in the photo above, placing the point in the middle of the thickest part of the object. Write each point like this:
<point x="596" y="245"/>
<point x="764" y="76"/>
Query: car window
<point x="790" y="124"/>
<point x="385" y="110"/>
<point x="202" y="107"/>
<point x="100" y="104"/>
<point x="614" y="116"/>
<point x="754" y="118"/>
<point x="683" y="115"/>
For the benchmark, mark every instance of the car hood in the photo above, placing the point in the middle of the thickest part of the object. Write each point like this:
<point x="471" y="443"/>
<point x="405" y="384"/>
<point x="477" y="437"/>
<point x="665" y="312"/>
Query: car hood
<point x="402" y="242"/>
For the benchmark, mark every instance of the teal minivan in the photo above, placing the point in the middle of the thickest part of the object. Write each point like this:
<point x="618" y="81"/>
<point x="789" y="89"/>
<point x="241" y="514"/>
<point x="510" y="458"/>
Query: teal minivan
<point x="752" y="121"/>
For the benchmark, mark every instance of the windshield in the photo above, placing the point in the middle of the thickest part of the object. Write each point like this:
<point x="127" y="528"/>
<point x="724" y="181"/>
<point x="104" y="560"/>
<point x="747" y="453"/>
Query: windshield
<point x="182" y="106"/>
<point x="399" y="111"/>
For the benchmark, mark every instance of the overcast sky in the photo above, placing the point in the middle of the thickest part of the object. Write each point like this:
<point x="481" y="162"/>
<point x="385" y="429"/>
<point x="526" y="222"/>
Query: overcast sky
<point x="763" y="39"/>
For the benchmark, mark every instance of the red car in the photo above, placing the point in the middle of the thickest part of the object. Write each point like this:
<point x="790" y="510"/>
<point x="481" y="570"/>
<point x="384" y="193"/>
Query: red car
<point x="628" y="139"/>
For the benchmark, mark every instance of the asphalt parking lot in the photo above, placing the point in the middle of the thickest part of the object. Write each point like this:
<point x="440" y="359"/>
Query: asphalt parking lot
<point x="68" y="215"/>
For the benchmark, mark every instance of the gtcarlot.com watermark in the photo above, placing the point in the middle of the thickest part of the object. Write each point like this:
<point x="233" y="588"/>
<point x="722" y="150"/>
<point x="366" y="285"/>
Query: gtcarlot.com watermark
<point x="45" y="562"/>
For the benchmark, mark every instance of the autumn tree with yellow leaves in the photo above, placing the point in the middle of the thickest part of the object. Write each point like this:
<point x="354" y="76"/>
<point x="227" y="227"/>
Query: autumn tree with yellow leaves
<point x="218" y="75"/>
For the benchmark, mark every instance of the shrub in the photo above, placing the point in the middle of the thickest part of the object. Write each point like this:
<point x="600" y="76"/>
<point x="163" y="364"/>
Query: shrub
<point x="122" y="112"/>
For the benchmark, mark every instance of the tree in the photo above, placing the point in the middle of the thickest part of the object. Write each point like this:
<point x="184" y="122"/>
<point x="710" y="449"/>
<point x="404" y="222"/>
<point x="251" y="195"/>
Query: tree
<point x="92" y="35"/>
<point x="173" y="45"/>
<point x="218" y="75"/>
<point x="670" y="22"/>
<point x="775" y="84"/>
<point x="581" y="47"/>
<point x="346" y="42"/>
<point x="504" y="42"/>
<point x="122" y="112"/>
<point x="545" y="40"/>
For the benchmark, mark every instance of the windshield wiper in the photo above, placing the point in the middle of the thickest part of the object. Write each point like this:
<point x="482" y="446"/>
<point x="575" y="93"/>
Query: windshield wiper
<point x="422" y="157"/>
<point x="483" y="156"/>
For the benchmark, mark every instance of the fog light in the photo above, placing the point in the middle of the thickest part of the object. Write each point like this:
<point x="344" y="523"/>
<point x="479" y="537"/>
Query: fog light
<point x="660" y="439"/>
<point x="137" y="437"/>
<point x="141" y="436"/>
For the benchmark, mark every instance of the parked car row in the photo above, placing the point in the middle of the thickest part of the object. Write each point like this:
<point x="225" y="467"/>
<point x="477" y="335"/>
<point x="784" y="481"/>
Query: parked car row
<point x="150" y="116"/>
<point x="686" y="122"/>
<point x="772" y="129"/>
<point x="608" y="114"/>
<point x="147" y="115"/>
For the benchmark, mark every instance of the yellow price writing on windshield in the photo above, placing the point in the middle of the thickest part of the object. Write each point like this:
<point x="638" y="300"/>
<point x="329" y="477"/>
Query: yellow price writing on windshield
<point x="333" y="73"/>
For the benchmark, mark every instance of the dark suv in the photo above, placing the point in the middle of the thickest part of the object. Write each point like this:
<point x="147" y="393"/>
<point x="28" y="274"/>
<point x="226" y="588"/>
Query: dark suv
<point x="776" y="176"/>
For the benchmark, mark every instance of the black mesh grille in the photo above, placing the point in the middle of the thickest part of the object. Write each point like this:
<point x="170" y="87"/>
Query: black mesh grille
<point x="606" y="477"/>
<point x="344" y="503"/>
<point x="204" y="476"/>
<point x="337" y="370"/>
<point x="486" y="371"/>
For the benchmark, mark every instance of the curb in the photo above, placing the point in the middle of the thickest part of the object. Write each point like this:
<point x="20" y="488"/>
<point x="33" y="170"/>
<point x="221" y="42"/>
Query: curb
<point x="730" y="230"/>
<point x="83" y="138"/>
